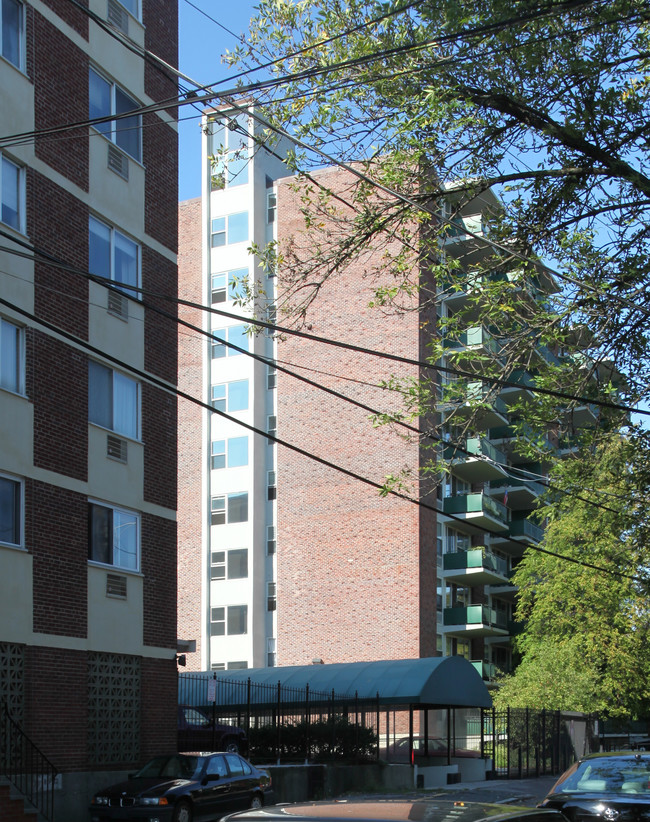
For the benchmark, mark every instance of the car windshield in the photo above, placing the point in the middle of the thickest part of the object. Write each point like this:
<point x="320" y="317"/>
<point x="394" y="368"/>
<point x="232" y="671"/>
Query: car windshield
<point x="169" y="767"/>
<point x="615" y="774"/>
<point x="194" y="717"/>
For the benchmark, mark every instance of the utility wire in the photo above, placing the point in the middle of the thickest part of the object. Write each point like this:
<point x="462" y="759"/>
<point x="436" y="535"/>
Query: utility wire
<point x="254" y="323"/>
<point x="171" y="389"/>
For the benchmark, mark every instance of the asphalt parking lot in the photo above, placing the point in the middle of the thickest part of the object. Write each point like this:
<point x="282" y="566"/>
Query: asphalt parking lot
<point x="513" y="791"/>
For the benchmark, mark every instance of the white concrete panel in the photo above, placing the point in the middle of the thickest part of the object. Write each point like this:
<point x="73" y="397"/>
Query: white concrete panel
<point x="124" y="66"/>
<point x="111" y="480"/>
<point x="16" y="280"/>
<point x="16" y="595"/>
<point x="117" y="200"/>
<point x="113" y="335"/>
<point x="115" y="624"/>
<point x="16" y="434"/>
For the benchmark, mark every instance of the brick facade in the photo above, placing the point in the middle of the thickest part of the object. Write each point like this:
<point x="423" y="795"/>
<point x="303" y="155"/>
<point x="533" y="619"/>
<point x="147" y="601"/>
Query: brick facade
<point x="50" y="621"/>
<point x="356" y="572"/>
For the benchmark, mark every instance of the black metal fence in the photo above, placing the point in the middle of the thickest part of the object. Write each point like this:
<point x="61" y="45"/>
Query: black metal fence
<point x="23" y="764"/>
<point x="287" y="724"/>
<point x="524" y="742"/>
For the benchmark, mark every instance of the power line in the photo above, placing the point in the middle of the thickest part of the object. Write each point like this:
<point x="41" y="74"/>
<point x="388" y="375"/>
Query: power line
<point x="171" y="389"/>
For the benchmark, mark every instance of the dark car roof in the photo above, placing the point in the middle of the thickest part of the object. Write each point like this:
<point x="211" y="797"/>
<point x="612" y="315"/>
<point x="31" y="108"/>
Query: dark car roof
<point x="395" y="810"/>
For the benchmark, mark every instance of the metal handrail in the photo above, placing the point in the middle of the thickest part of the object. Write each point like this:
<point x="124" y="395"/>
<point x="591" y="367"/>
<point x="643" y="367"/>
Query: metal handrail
<point x="25" y="766"/>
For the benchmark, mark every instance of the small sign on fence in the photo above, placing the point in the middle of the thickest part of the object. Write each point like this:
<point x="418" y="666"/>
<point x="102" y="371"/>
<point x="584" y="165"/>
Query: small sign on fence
<point x="212" y="690"/>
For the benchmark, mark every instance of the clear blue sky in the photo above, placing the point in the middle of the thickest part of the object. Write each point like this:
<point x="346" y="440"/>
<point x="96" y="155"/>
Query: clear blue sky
<point x="202" y="43"/>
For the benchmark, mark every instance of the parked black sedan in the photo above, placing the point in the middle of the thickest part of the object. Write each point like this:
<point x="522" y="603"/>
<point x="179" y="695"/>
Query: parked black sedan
<point x="614" y="787"/>
<point x="185" y="788"/>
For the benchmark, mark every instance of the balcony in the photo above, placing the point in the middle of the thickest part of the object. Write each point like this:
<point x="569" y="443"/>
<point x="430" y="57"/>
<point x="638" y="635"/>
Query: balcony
<point x="486" y="670"/>
<point x="473" y="339"/>
<point x="476" y="510"/>
<point x="482" y="463"/>
<point x="522" y="494"/>
<point x="521" y="532"/>
<point x="478" y="403"/>
<point x="474" y="621"/>
<point x="523" y="390"/>
<point x="508" y="438"/>
<point x="478" y="566"/>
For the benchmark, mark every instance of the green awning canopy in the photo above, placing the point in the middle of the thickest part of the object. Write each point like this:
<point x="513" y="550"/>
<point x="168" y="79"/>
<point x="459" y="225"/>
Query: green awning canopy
<point x="431" y="682"/>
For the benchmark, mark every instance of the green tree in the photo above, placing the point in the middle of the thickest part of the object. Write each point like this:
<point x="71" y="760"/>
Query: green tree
<point x="586" y="641"/>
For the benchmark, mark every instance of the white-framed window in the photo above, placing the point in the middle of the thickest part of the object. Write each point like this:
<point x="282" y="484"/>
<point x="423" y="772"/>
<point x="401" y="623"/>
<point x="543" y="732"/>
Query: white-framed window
<point x="270" y="540"/>
<point x="230" y="229"/>
<point x="114" y="536"/>
<point x="12" y="32"/>
<point x="232" y="564"/>
<point x="12" y="194"/>
<point x="229" y="151"/>
<point x="107" y="99"/>
<point x="231" y="620"/>
<point x="132" y="6"/>
<point x="271" y="206"/>
<point x="11" y="510"/>
<point x="113" y="400"/>
<point x="235" y="335"/>
<point x="227" y="509"/>
<point x="272" y="427"/>
<point x="12" y="357"/>
<point x="113" y="255"/>
<point x="271" y="377"/>
<point x="230" y="453"/>
<point x="229" y="285"/>
<point x="271" y="596"/>
<point x="271" y="485"/>
<point x="230" y="396"/>
<point x="271" y="652"/>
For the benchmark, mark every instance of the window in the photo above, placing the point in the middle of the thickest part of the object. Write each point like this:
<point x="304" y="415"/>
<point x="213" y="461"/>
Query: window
<point x="230" y="285"/>
<point x="113" y="537"/>
<point x="235" y="617"/>
<point x="229" y="508"/>
<point x="237" y="620"/>
<point x="12" y="357"/>
<point x="230" y="396"/>
<point x="271" y="377"/>
<point x="232" y="453"/>
<point x="271" y="206"/>
<point x="106" y="99"/>
<point x="12" y="193"/>
<point x="113" y="400"/>
<point x="12" y="28"/>
<point x="113" y="255"/>
<point x="271" y="426"/>
<point x="231" y="564"/>
<point x="233" y="228"/>
<point x="132" y="6"/>
<point x="218" y="666"/>
<point x="239" y="666"/>
<point x="271" y="646"/>
<point x="271" y="599"/>
<point x="11" y="494"/>
<point x="229" y="151"/>
<point x="271" y="485"/>
<point x="270" y="539"/>
<point x="234" y="335"/>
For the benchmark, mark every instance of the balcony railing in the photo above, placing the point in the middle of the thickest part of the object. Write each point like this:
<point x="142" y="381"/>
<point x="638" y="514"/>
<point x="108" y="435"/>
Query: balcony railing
<point x="475" y="337"/>
<point x="475" y="615"/>
<point x="476" y="558"/>
<point x="527" y="529"/>
<point x="480" y="504"/>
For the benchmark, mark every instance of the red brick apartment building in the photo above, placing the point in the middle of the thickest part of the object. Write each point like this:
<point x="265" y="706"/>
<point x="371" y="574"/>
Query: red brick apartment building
<point x="286" y="558"/>
<point x="87" y="444"/>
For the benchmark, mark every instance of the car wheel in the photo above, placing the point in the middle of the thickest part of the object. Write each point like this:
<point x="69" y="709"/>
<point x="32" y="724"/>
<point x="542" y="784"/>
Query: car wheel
<point x="256" y="801"/>
<point x="182" y="812"/>
<point x="232" y="746"/>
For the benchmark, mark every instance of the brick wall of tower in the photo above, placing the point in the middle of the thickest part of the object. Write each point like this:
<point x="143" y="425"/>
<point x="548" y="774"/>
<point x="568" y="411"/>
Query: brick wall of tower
<point x="190" y="457"/>
<point x="61" y="97"/>
<point x="356" y="572"/>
